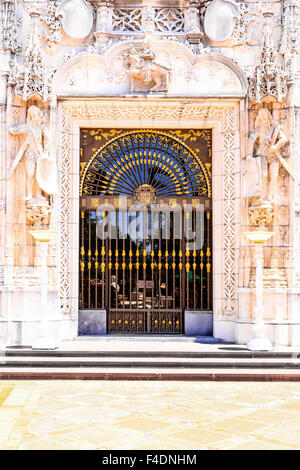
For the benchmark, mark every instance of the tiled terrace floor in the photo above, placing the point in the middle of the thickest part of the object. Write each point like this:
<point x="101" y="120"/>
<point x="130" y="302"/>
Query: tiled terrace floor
<point x="149" y="415"/>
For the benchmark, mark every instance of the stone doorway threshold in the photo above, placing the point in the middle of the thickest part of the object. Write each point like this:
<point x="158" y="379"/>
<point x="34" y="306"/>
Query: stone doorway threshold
<point x="155" y="338"/>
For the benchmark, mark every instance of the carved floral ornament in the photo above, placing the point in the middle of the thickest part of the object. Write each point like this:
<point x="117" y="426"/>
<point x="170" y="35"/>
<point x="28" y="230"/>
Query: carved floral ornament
<point x="220" y="20"/>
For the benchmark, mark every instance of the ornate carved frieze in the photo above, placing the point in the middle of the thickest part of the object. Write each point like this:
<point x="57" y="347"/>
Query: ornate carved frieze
<point x="127" y="20"/>
<point x="198" y="48"/>
<point x="52" y="33"/>
<point x="230" y="208"/>
<point x="148" y="19"/>
<point x="269" y="78"/>
<point x="169" y="20"/>
<point x="9" y="25"/>
<point x="248" y="25"/>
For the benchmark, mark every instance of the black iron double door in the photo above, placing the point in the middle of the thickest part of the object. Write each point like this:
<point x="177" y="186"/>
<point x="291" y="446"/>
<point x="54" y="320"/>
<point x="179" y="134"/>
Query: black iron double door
<point x="145" y="264"/>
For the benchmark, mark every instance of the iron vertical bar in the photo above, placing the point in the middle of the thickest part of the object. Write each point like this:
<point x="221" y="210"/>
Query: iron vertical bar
<point x="82" y="299"/>
<point x="96" y="261"/>
<point x="89" y="262"/>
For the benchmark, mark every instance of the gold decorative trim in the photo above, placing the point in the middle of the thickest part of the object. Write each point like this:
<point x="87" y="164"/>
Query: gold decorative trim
<point x="153" y="131"/>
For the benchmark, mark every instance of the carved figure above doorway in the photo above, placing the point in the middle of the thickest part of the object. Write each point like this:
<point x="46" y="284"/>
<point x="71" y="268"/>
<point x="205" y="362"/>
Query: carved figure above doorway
<point x="146" y="74"/>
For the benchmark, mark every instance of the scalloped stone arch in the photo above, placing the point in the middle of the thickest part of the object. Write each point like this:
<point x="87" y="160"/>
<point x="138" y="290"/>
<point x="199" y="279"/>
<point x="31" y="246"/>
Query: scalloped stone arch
<point x="91" y="74"/>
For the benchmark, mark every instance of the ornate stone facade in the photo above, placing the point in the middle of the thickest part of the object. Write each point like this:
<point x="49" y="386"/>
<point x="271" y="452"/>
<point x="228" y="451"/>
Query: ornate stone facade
<point x="225" y="65"/>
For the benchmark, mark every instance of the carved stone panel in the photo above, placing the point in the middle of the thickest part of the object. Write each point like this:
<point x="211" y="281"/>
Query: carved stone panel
<point x="120" y="70"/>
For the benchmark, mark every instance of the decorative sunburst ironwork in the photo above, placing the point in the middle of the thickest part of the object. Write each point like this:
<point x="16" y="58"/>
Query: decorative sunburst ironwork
<point x="145" y="159"/>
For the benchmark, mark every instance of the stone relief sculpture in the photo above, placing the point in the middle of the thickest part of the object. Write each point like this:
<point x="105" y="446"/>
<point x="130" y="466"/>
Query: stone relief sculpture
<point x="144" y="70"/>
<point x="40" y="167"/>
<point x="262" y="167"/>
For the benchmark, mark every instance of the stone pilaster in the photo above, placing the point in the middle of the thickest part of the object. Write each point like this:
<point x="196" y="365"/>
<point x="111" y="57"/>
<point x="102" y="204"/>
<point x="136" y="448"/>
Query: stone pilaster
<point x="103" y="20"/>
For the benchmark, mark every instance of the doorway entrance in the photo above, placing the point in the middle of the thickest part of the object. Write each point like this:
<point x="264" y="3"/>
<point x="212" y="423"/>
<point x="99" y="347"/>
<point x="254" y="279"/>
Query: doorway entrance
<point x="145" y="227"/>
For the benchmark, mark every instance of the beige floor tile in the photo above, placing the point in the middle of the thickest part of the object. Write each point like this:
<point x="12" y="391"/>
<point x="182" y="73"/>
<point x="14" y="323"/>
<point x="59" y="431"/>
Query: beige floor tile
<point x="200" y="436"/>
<point x="94" y="435"/>
<point x="239" y="425"/>
<point x="285" y="436"/>
<point x="292" y="405"/>
<point x="269" y="415"/>
<point x="261" y="445"/>
<point x="48" y="424"/>
<point x="143" y="424"/>
<point x="47" y="444"/>
<point x="4" y="393"/>
<point x="218" y="407"/>
<point x="180" y="415"/>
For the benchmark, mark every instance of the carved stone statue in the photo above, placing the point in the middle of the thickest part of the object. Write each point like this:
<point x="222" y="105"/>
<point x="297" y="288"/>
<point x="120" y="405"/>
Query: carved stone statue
<point x="263" y="164"/>
<point x="144" y="71"/>
<point x="41" y="170"/>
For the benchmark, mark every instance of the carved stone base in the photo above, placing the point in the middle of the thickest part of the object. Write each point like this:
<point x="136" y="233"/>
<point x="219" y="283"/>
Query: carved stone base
<point x="272" y="277"/>
<point x="101" y="38"/>
<point x="261" y="213"/>
<point x="38" y="212"/>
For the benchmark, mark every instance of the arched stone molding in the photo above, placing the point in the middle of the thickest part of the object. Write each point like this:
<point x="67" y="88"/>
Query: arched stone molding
<point x="223" y="118"/>
<point x="92" y="74"/>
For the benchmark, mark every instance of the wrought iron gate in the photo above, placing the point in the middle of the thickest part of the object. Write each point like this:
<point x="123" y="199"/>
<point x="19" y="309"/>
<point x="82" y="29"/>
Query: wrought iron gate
<point x="145" y="233"/>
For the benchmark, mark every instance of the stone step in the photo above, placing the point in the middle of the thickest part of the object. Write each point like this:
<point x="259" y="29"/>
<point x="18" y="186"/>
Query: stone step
<point x="118" y="359"/>
<point x="234" y="353"/>
<point x="136" y="357"/>
<point x="149" y="362"/>
<point x="140" y="373"/>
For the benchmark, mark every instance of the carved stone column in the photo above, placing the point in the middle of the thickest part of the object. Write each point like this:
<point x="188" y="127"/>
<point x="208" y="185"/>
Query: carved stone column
<point x="148" y="14"/>
<point x="290" y="38"/>
<point x="103" y="20"/>
<point x="192" y="21"/>
<point x="259" y="342"/>
<point x="9" y="46"/>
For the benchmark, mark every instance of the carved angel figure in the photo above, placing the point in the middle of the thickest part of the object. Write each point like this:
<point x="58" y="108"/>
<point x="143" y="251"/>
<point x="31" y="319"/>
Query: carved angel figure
<point x="262" y="166"/>
<point x="41" y="170"/>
